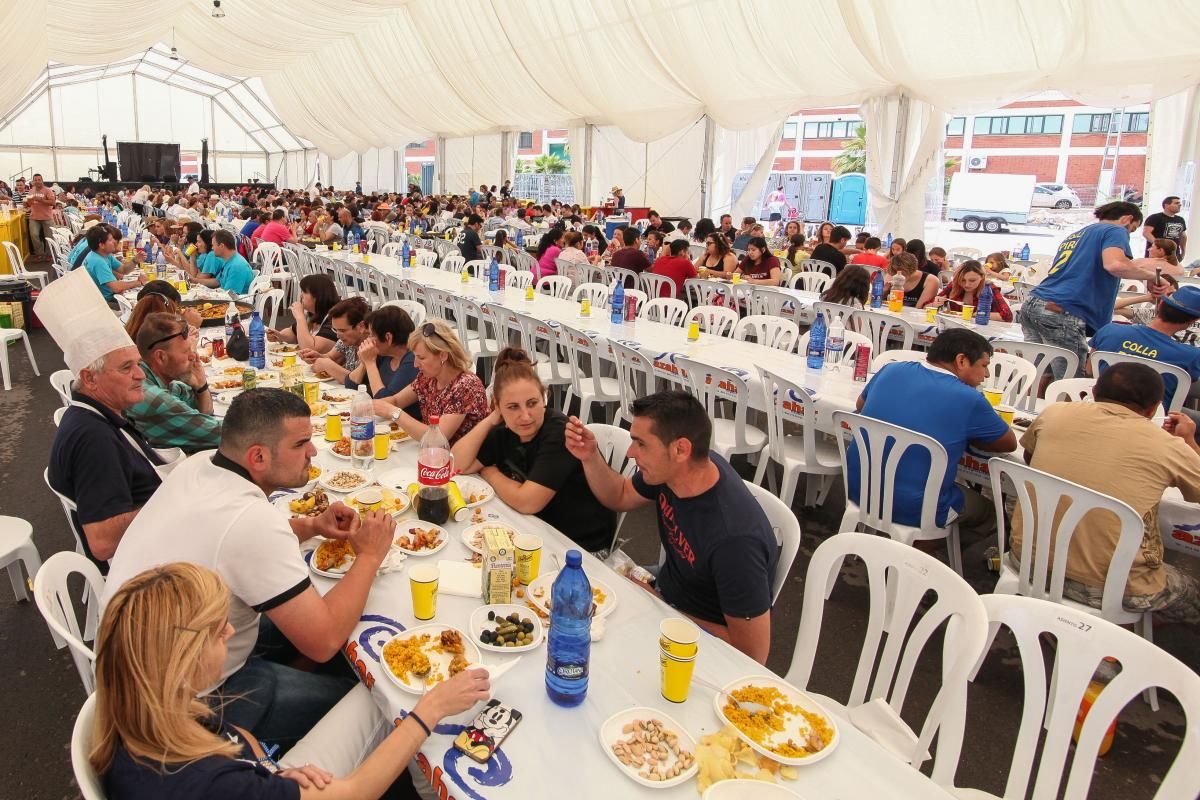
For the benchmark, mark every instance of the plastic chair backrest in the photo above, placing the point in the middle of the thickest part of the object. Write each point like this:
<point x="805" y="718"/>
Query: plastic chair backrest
<point x="14" y="257"/>
<point x="477" y="268"/>
<point x="716" y="320"/>
<point x="613" y="443"/>
<point x="392" y="249"/>
<point x="768" y="331"/>
<point x="767" y="301"/>
<point x="415" y="311"/>
<point x="817" y="265"/>
<point x="578" y="345"/>
<point x="453" y="263"/>
<point x="555" y="285"/>
<point x="700" y="292"/>
<point x="1081" y="642"/>
<point x="703" y="380"/>
<point x="1099" y="360"/>
<point x="831" y="310"/>
<point x="268" y="257"/>
<point x="892" y="356"/>
<point x="878" y="327"/>
<point x="1070" y="389"/>
<point x="786" y="528"/>
<point x="1042" y="356"/>
<point x="518" y="279"/>
<point x="81" y="745"/>
<point x="53" y="598"/>
<point x="850" y="343"/>
<point x="657" y="285"/>
<point x="635" y="376"/>
<point x="61" y="380"/>
<point x="1012" y="375"/>
<point x="666" y="310"/>
<point x="880" y="446"/>
<point x="426" y="258"/>
<point x="810" y="281"/>
<point x="596" y="293"/>
<point x="274" y="297"/>
<point x="898" y="578"/>
<point x="1047" y="532"/>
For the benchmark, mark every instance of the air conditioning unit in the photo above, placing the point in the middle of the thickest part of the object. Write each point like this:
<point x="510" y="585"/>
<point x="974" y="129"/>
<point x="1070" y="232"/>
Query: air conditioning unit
<point x="977" y="162"/>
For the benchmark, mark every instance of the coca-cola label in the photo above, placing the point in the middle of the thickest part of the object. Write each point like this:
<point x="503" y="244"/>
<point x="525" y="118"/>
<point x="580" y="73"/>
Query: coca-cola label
<point x="433" y="476"/>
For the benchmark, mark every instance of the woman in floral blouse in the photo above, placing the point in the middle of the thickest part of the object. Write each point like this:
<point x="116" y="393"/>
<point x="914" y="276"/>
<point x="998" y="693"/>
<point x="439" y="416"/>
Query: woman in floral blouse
<point x="445" y="387"/>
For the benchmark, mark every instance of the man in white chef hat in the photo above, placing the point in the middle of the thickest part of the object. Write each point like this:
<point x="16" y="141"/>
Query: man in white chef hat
<point x="98" y="460"/>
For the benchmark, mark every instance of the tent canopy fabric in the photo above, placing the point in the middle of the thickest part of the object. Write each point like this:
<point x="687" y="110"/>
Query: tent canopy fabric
<point x="358" y="74"/>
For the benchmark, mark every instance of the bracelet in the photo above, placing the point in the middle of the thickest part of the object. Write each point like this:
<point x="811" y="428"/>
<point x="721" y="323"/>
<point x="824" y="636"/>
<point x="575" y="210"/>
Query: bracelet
<point x="201" y="389"/>
<point x="413" y="716"/>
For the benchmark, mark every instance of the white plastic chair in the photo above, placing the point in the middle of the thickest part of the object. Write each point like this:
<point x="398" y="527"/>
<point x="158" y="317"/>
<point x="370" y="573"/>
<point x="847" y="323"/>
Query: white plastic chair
<point x="769" y="301"/>
<point x="807" y="453"/>
<point x="555" y="285"/>
<point x="880" y="447"/>
<point x="1082" y="641"/>
<point x="453" y="263"/>
<point x="898" y="578"/>
<point x="272" y="297"/>
<point x="1046" y="538"/>
<point x="554" y="371"/>
<point x="426" y="258"/>
<point x="850" y="343"/>
<point x="627" y="277"/>
<point x="716" y="320"/>
<point x="596" y="293"/>
<point x="1098" y="360"/>
<point x="1042" y="356"/>
<point x="518" y="279"/>
<point x="817" y="265"/>
<point x="712" y="386"/>
<point x="477" y="269"/>
<point x="415" y="311"/>
<point x="613" y="442"/>
<point x="700" y="291"/>
<point x="1070" y="390"/>
<point x="89" y="782"/>
<point x="472" y="326"/>
<point x="17" y="550"/>
<point x="666" y="310"/>
<point x="61" y="380"/>
<point x="11" y="335"/>
<point x="17" y="261"/>
<point x="879" y="327"/>
<point x="591" y="387"/>
<point x="53" y="597"/>
<point x="810" y="281"/>
<point x="392" y="249"/>
<point x="1013" y="376"/>
<point x="786" y="527"/>
<point x="775" y="332"/>
<point x="892" y="356"/>
<point x="657" y="285"/>
<point x="635" y="378"/>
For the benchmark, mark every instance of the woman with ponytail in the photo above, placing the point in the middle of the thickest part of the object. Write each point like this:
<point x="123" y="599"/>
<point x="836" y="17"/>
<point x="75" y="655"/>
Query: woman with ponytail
<point x="520" y="450"/>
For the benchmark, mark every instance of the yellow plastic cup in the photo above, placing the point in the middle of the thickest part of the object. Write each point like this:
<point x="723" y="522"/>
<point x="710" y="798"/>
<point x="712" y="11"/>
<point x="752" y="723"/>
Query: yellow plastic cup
<point x="931" y="313"/>
<point x="383" y="446"/>
<point x="333" y="427"/>
<point x="289" y="360"/>
<point x="968" y="313"/>
<point x="1006" y="413"/>
<point x="370" y="499"/>
<point x="693" y="331"/>
<point x="312" y="390"/>
<point x="676" y="676"/>
<point x="994" y="396"/>
<point x="423" y="580"/>
<point x="737" y="277"/>
<point x="585" y="307"/>
<point x="678" y="637"/>
<point x="465" y="276"/>
<point x="366" y="258"/>
<point x="529" y="557"/>
<point x="529" y="292"/>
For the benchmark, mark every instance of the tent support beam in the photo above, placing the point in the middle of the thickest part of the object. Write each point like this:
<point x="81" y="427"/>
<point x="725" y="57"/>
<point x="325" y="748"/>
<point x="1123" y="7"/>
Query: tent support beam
<point x="506" y="156"/>
<point x="439" y="160"/>
<point x="589" y="131"/>
<point x="706" y="166"/>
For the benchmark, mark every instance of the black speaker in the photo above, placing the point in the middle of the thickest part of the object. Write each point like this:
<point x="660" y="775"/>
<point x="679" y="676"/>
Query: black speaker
<point x="109" y="172"/>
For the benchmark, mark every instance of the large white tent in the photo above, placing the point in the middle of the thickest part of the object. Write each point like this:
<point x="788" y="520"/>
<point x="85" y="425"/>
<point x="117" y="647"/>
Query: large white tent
<point x="668" y="98"/>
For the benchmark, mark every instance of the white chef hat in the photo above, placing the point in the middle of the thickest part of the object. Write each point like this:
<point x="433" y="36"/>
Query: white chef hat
<point x="75" y="313"/>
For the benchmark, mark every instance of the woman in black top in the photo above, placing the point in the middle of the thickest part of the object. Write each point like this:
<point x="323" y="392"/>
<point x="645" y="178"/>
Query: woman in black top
<point x="318" y="295"/>
<point x="917" y="248"/>
<point x="520" y="449"/>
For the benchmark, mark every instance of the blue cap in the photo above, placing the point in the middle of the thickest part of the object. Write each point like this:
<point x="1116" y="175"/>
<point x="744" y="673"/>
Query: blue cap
<point x="574" y="558"/>
<point x="1185" y="300"/>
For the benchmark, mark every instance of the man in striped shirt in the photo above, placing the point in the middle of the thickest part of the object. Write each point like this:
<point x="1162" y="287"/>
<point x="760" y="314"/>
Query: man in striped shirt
<point x="176" y="409"/>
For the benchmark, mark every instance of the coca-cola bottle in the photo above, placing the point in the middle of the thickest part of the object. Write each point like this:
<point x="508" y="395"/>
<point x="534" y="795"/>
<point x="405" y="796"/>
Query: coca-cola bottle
<point x="435" y="466"/>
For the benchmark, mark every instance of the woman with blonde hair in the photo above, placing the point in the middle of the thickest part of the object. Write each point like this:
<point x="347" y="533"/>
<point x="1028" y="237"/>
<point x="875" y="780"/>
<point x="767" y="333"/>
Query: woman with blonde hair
<point x="162" y="643"/>
<point x="450" y="395"/>
<point x="520" y="449"/>
<point x="919" y="287"/>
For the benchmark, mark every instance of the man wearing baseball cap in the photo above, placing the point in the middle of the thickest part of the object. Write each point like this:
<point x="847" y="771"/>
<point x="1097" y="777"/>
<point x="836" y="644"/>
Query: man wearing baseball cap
<point x="1158" y="340"/>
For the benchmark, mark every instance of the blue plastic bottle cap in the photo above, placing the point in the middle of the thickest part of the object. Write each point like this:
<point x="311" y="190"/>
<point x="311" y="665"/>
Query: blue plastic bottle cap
<point x="574" y="558"/>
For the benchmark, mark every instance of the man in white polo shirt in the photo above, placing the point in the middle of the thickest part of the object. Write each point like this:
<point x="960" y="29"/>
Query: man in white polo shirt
<point x="213" y="511"/>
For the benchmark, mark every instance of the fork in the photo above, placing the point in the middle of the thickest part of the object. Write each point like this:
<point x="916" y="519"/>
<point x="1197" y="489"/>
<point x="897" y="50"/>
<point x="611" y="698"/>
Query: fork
<point x="746" y="705"/>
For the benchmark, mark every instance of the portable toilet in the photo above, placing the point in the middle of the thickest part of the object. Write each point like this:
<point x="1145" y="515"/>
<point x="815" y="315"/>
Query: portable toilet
<point x="848" y="204"/>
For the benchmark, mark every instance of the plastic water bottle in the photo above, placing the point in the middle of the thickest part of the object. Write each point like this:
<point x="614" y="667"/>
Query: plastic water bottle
<point x="649" y="253"/>
<point x="362" y="430"/>
<point x="569" y="644"/>
<point x="983" y="309"/>
<point x="493" y="276"/>
<point x="520" y="238"/>
<point x="617" y="303"/>
<point x="877" y="289"/>
<point x="435" y="466"/>
<point x="231" y="316"/>
<point x="258" y="342"/>
<point x="405" y="256"/>
<point x="835" y="343"/>
<point x="816" y="343"/>
<point x="124" y="230"/>
<point x="888" y="244"/>
<point x="1025" y="252"/>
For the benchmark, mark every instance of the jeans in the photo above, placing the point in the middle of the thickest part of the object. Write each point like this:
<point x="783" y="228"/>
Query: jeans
<point x="1061" y="329"/>
<point x="39" y="231"/>
<point x="279" y="704"/>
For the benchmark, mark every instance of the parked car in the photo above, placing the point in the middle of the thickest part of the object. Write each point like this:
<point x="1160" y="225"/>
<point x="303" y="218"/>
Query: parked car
<point x="1055" y="195"/>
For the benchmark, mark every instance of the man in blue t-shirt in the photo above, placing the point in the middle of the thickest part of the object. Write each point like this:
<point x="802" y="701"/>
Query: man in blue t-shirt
<point x="229" y="270"/>
<point x="1157" y="341"/>
<point x="720" y="548"/>
<point x="1078" y="294"/>
<point x="101" y="263"/>
<point x="939" y="398"/>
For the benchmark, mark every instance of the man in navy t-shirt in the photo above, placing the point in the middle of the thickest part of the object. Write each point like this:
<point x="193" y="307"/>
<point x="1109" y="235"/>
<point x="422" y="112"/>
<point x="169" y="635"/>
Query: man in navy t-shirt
<point x="1157" y="340"/>
<point x="939" y="398"/>
<point x="720" y="548"/>
<point x="1078" y="294"/>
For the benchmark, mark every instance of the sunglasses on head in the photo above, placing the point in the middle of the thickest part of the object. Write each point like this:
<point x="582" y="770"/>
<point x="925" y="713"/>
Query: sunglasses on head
<point x="182" y="334"/>
<point x="429" y="330"/>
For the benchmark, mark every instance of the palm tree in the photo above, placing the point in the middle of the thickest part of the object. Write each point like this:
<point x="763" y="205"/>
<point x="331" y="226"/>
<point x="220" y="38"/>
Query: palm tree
<point x="550" y="165"/>
<point x="853" y="157"/>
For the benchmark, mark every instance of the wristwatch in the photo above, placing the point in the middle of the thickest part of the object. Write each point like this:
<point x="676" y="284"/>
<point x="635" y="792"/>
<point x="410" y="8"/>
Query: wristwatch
<point x="396" y="415"/>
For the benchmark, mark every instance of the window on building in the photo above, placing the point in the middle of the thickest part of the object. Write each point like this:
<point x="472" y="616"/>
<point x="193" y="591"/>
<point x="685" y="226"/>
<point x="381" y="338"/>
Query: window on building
<point x="842" y="129"/>
<point x="956" y="126"/>
<point x="525" y="140"/>
<point x="789" y="130"/>
<point x="1090" y="123"/>
<point x="1138" y="122"/>
<point x="1016" y="126"/>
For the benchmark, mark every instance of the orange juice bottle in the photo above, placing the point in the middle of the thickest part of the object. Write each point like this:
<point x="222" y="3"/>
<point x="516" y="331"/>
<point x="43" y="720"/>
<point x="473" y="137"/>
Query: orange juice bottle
<point x="896" y="296"/>
<point x="1089" y="697"/>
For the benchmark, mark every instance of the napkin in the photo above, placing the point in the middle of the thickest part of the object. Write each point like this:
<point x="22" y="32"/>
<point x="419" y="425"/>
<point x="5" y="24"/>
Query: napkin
<point x="459" y="578"/>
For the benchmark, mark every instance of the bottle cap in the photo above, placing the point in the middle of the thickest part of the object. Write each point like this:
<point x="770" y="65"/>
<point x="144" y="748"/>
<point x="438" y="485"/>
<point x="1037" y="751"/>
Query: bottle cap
<point x="434" y="419"/>
<point x="574" y="558"/>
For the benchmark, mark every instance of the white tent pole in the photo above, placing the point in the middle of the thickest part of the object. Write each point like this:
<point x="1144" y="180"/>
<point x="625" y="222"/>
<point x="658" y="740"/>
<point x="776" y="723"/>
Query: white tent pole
<point x="900" y="146"/>
<point x="53" y="140"/>
<point x="589" y="131"/>
<point x="706" y="167"/>
<point x="506" y="156"/>
<point x="439" y="159"/>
